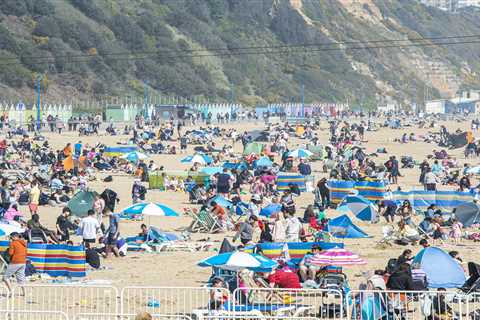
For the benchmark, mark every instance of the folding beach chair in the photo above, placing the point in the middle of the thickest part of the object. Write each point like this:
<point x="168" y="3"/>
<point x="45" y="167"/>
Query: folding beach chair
<point x="205" y="222"/>
<point x="389" y="236"/>
<point x="3" y="264"/>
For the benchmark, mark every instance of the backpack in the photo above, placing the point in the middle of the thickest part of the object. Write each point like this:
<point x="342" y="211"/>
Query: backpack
<point x="43" y="200"/>
<point x="391" y="266"/>
<point x="142" y="191"/>
<point x="29" y="269"/>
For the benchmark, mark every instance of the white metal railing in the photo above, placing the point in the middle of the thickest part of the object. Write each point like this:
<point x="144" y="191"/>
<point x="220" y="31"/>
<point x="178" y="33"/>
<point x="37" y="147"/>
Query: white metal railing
<point x="392" y="305"/>
<point x="69" y="299"/>
<point x="120" y="316"/>
<point x="65" y="302"/>
<point x="170" y="300"/>
<point x="274" y="303"/>
<point x="32" y="315"/>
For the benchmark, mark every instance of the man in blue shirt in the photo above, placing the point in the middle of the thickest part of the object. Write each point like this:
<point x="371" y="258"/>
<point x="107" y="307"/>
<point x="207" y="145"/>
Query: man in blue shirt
<point x="113" y="233"/>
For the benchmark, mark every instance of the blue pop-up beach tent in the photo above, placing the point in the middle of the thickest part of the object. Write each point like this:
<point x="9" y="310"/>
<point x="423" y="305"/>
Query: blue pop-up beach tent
<point x="441" y="269"/>
<point x="343" y="227"/>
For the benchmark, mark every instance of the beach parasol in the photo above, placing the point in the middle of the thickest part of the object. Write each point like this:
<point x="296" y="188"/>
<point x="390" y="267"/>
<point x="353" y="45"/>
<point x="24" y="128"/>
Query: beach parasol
<point x="211" y="170"/>
<point x="473" y="170"/>
<point x="150" y="209"/>
<point x="336" y="257"/>
<point x="202" y="159"/>
<point x="134" y="156"/>
<point x="235" y="261"/>
<point x="361" y="208"/>
<point x="264" y="162"/>
<point x="300" y="153"/>
<point x="7" y="228"/>
<point x="272" y="208"/>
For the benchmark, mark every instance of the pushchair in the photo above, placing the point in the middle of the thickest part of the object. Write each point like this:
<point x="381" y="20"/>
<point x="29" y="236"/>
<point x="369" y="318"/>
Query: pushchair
<point x="335" y="286"/>
<point x="473" y="282"/>
<point x="472" y="285"/>
<point x="407" y="162"/>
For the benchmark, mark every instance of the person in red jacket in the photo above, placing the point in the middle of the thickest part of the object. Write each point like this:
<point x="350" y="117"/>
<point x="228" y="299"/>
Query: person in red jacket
<point x="18" y="260"/>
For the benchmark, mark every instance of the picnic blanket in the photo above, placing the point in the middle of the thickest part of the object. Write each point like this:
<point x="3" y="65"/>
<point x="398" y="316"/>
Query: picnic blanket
<point x="444" y="200"/>
<point x="371" y="190"/>
<point x="56" y="260"/>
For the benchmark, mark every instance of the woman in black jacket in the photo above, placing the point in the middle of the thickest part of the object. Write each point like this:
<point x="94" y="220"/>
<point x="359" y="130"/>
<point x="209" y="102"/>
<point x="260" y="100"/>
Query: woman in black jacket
<point x="401" y="279"/>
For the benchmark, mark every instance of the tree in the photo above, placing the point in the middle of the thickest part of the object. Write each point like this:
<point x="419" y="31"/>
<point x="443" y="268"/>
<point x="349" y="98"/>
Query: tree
<point x="47" y="27"/>
<point x="43" y="8"/>
<point x="129" y="32"/>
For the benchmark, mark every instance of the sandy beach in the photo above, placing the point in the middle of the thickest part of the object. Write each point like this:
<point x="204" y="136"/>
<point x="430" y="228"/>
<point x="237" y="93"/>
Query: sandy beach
<point x="179" y="268"/>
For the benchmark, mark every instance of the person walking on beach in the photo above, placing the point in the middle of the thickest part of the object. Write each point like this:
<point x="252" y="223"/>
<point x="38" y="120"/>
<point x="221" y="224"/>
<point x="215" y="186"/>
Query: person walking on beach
<point x="18" y="260"/>
<point x="34" y="198"/>
<point x="113" y="232"/>
<point x="89" y="227"/>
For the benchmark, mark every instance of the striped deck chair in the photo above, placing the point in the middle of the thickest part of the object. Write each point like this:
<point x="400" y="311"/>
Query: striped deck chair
<point x="3" y="264"/>
<point x="205" y="222"/>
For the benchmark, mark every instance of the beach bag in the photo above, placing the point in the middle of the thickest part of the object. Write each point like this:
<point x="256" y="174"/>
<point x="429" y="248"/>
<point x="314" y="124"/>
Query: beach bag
<point x="43" y="200"/>
<point x="92" y="258"/>
<point x="391" y="266"/>
<point x="6" y="256"/>
<point x="29" y="269"/>
<point x="426" y="304"/>
<point x="23" y="198"/>
<point x="108" y="179"/>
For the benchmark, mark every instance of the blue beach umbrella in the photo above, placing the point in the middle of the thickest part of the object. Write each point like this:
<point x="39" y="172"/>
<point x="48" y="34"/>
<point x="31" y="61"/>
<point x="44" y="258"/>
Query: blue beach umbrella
<point x="198" y="158"/>
<point x="263" y="162"/>
<point x="134" y="156"/>
<point x="300" y="153"/>
<point x="150" y="209"/>
<point x="271" y="209"/>
<point x="6" y="229"/>
<point x="211" y="170"/>
<point x="474" y="170"/>
<point x="235" y="261"/>
<point x="361" y="208"/>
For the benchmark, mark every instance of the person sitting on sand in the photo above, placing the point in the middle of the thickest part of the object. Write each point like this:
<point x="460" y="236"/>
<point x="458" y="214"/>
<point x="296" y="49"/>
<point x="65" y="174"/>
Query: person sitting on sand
<point x="407" y="233"/>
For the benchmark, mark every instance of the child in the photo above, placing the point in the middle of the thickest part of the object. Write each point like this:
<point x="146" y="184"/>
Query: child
<point x="437" y="231"/>
<point x="456" y="232"/>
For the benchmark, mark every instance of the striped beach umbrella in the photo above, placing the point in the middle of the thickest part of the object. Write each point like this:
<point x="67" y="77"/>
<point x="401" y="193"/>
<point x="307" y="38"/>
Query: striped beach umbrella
<point x="134" y="156"/>
<point x="235" y="261"/>
<point x="150" y="209"/>
<point x="336" y="257"/>
<point x="361" y="208"/>
<point x="300" y="153"/>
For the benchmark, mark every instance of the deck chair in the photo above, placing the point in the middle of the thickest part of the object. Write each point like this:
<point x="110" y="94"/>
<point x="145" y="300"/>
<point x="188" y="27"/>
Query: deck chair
<point x="389" y="236"/>
<point x="205" y="222"/>
<point x="3" y="264"/>
<point x="37" y="236"/>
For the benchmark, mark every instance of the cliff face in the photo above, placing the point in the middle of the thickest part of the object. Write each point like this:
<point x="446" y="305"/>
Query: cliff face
<point x="101" y="48"/>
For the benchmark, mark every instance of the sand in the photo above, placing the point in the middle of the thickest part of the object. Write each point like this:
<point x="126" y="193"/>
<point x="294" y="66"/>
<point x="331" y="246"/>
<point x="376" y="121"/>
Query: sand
<point x="179" y="268"/>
